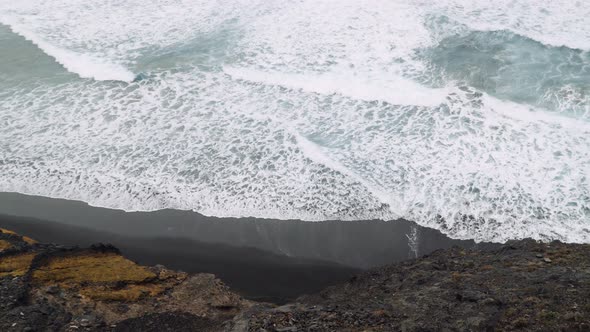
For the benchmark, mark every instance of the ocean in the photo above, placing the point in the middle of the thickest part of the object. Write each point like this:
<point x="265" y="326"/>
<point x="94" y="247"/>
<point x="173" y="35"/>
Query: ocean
<point x="470" y="117"/>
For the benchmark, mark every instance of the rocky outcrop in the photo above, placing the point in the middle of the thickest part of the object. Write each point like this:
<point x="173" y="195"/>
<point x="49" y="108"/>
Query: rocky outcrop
<point x="524" y="285"/>
<point x="47" y="287"/>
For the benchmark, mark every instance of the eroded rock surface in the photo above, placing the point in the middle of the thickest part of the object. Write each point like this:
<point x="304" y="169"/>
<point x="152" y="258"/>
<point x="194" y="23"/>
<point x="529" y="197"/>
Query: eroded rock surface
<point x="523" y="286"/>
<point x="47" y="287"/>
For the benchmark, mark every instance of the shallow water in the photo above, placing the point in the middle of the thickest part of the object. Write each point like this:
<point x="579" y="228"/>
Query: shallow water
<point x="469" y="118"/>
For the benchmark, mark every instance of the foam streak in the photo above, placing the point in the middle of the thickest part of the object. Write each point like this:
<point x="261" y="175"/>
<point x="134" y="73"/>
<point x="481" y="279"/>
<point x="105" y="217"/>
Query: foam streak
<point x="83" y="65"/>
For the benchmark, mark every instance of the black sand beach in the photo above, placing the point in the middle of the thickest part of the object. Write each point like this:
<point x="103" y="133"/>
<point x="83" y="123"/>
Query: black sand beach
<point x="271" y="260"/>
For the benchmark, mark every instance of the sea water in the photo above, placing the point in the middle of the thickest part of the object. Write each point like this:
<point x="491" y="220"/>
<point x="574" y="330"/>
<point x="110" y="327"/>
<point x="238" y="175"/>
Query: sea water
<point x="472" y="117"/>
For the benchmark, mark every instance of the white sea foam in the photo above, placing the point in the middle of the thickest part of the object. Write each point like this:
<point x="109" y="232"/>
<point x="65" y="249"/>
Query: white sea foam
<point x="276" y="109"/>
<point x="554" y="23"/>
<point x="396" y="90"/>
<point x="104" y="40"/>
<point x="267" y="151"/>
<point x="83" y="65"/>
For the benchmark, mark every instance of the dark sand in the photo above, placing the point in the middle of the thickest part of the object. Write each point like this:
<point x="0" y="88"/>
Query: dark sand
<point x="273" y="260"/>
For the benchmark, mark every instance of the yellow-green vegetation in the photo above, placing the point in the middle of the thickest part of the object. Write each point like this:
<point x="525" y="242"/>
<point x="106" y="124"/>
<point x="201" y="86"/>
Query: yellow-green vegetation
<point x="25" y="238"/>
<point x="7" y="231"/>
<point x="15" y="265"/>
<point x="169" y="274"/>
<point x="128" y="293"/>
<point x="5" y="245"/>
<point x="91" y="268"/>
<point x="28" y="240"/>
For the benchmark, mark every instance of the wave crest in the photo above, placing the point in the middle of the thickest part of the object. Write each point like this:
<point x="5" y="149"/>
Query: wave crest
<point x="83" y="65"/>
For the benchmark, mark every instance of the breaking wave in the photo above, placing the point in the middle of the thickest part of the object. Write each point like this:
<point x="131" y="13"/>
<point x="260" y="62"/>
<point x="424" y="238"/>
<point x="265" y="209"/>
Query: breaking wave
<point x="84" y="65"/>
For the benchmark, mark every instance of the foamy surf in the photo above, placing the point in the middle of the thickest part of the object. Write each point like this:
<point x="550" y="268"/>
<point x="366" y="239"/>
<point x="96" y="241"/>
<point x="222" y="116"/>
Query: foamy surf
<point x="83" y="65"/>
<point x="553" y="23"/>
<point x="274" y="109"/>
<point x="394" y="89"/>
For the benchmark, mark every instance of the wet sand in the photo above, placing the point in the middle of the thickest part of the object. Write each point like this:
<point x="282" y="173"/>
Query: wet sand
<point x="273" y="260"/>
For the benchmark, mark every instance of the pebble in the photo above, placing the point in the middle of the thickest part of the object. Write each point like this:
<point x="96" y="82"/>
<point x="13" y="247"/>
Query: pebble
<point x="489" y="301"/>
<point x="287" y="329"/>
<point x="52" y="290"/>
<point x="573" y="316"/>
<point x="547" y="260"/>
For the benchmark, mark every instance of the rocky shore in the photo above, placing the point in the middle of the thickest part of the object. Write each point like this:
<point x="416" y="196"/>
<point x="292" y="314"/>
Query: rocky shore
<point x="524" y="285"/>
<point x="48" y="287"/>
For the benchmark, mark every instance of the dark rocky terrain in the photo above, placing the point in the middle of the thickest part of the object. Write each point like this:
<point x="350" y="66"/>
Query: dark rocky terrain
<point x="523" y="286"/>
<point x="48" y="287"/>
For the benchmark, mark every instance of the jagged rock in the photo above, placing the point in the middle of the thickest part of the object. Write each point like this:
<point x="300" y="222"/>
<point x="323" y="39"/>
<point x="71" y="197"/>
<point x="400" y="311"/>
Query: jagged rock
<point x="54" y="288"/>
<point x="453" y="290"/>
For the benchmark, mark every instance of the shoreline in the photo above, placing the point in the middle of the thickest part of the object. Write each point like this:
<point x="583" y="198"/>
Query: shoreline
<point x="274" y="260"/>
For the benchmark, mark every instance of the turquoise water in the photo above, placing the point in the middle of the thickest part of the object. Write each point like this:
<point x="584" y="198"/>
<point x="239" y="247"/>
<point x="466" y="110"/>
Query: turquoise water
<point x="469" y="118"/>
